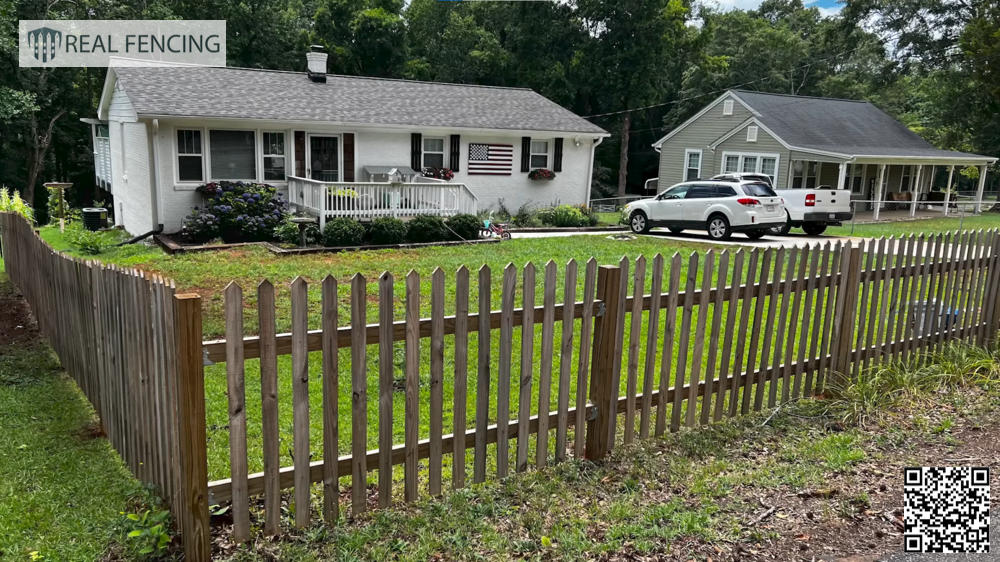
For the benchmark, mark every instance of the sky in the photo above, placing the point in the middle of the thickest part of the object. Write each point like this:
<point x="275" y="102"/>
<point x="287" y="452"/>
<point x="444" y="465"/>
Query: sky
<point x="826" y="7"/>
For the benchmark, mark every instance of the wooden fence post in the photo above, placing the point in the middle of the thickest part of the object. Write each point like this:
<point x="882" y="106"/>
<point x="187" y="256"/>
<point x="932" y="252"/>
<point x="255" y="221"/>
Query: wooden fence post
<point x="602" y="374"/>
<point x="192" y="511"/>
<point x="992" y="301"/>
<point x="846" y="310"/>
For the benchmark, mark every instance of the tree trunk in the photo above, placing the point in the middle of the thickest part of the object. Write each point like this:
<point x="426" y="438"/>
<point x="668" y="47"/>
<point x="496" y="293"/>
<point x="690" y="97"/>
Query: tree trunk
<point x="39" y="150"/>
<point x="623" y="154"/>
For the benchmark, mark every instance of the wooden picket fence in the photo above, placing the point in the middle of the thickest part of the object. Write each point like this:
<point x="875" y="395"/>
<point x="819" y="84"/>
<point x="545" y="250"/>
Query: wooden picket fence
<point x="603" y="355"/>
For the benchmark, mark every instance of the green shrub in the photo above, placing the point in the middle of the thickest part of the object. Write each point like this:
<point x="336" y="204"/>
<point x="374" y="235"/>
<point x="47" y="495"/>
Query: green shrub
<point x="525" y="217"/>
<point x="236" y="211"/>
<point x="288" y="232"/>
<point x="343" y="232"/>
<point x="592" y="218"/>
<point x="386" y="230"/>
<point x="465" y="227"/>
<point x="563" y="216"/>
<point x="11" y="202"/>
<point x="87" y="241"/>
<point x="426" y="228"/>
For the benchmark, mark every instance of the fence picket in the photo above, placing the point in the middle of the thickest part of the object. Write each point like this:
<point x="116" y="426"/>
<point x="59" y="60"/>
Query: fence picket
<point x="790" y="387"/>
<point x="713" y="349"/>
<point x="699" y="338"/>
<point x="754" y="383"/>
<point x="779" y="338"/>
<point x="583" y="362"/>
<point x="331" y="398"/>
<point x="545" y="372"/>
<point x="436" y="420"/>
<point x="461" y="375"/>
<point x="482" y="374"/>
<point x="300" y="400"/>
<point x="503" y="380"/>
<point x="830" y="303"/>
<point x="652" y="334"/>
<point x="237" y="411"/>
<point x="412" y="366"/>
<point x="386" y="380"/>
<point x="565" y="359"/>
<point x="635" y="329"/>
<point x="739" y="383"/>
<point x="682" y="352"/>
<point x="725" y="359"/>
<point x="269" y="406"/>
<point x="527" y="367"/>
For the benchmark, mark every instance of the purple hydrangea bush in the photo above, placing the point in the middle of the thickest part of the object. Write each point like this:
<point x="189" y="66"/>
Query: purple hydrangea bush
<point x="236" y="212"/>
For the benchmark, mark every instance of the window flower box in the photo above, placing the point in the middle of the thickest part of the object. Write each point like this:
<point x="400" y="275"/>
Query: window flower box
<point x="540" y="174"/>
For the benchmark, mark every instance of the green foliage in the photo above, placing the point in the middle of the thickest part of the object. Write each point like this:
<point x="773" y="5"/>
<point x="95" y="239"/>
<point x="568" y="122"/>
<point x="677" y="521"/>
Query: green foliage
<point x="149" y="530"/>
<point x="564" y="216"/>
<point x="11" y="202"/>
<point x="525" y="216"/>
<point x="465" y="227"/>
<point x="236" y="211"/>
<point x="58" y="208"/>
<point x="386" y="230"/>
<point x="288" y="232"/>
<point x="88" y="242"/>
<point x="427" y="228"/>
<point x="343" y="232"/>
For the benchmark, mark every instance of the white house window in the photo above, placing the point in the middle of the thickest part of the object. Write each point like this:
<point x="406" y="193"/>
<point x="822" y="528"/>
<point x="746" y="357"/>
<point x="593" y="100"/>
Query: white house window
<point x="803" y="174"/>
<point x="102" y="132"/>
<point x="752" y="133"/>
<point x="539" y="154"/>
<point x="233" y="155"/>
<point x="189" y="155"/>
<point x="727" y="107"/>
<point x="433" y="152"/>
<point x="692" y="164"/>
<point x="751" y="163"/>
<point x="274" y="156"/>
<point x="731" y="164"/>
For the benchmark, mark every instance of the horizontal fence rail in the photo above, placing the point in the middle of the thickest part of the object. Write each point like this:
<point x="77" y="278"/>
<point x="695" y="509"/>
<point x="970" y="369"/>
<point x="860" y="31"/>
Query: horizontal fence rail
<point x="389" y="389"/>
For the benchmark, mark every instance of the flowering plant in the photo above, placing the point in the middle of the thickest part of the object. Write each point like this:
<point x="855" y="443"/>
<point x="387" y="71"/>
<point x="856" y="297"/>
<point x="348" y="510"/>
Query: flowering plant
<point x="541" y="174"/>
<point x="438" y="173"/>
<point x="236" y="211"/>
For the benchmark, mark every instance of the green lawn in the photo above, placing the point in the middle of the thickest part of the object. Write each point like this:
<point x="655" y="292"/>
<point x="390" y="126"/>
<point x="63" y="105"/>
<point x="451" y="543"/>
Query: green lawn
<point x="63" y="489"/>
<point x="929" y="226"/>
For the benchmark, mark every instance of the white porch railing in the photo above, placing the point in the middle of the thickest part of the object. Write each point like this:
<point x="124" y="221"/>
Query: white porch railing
<point x="359" y="200"/>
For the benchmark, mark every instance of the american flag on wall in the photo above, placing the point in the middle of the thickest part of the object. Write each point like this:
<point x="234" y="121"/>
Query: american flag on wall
<point x="488" y="159"/>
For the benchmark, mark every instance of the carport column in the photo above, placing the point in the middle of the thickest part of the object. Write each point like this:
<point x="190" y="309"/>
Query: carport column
<point x="981" y="189"/>
<point x="842" y="178"/>
<point x="915" y="192"/>
<point x="878" y="191"/>
<point x="947" y="190"/>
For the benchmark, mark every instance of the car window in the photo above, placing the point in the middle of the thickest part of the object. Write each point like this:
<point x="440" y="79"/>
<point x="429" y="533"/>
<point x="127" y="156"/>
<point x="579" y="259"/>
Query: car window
<point x="677" y="192"/>
<point x="701" y="192"/>
<point x="759" y="190"/>
<point x="724" y="191"/>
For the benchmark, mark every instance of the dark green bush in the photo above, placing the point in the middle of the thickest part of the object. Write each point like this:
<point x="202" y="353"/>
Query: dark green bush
<point x="465" y="227"/>
<point x="563" y="216"/>
<point x="87" y="241"/>
<point x="386" y="230"/>
<point x="525" y="216"/>
<point x="288" y="232"/>
<point x="426" y="228"/>
<point x="343" y="232"/>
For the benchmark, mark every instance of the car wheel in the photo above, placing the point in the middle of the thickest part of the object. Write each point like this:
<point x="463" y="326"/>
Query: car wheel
<point x="756" y="234"/>
<point x="814" y="229"/>
<point x="676" y="230"/>
<point x="638" y="222"/>
<point x="783" y="229"/>
<point x="718" y="228"/>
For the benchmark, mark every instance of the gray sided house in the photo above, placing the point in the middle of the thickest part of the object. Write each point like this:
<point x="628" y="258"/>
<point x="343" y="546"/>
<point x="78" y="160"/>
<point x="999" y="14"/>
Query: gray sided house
<point x="333" y="145"/>
<point x="805" y="142"/>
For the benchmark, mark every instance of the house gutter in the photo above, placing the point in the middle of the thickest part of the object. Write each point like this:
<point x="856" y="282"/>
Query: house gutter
<point x="590" y="167"/>
<point x="154" y="168"/>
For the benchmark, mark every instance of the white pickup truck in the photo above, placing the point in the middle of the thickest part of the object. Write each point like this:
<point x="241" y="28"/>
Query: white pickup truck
<point x="811" y="209"/>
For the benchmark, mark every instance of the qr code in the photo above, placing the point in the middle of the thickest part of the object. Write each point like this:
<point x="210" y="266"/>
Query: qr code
<point x="946" y="510"/>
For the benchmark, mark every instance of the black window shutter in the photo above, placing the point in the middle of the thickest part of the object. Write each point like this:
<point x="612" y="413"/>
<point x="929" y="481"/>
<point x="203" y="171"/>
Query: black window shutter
<point x="416" y="151"/>
<point x="455" y="160"/>
<point x="557" y="156"/>
<point x="525" y="154"/>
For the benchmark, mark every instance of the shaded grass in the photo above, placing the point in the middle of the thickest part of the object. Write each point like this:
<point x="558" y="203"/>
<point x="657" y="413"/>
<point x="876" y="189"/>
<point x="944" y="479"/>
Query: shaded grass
<point x="930" y="226"/>
<point x="62" y="488"/>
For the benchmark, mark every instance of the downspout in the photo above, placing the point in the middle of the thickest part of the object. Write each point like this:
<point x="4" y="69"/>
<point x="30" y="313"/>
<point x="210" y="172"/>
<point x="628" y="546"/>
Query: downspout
<point x="154" y="168"/>
<point x="590" y="170"/>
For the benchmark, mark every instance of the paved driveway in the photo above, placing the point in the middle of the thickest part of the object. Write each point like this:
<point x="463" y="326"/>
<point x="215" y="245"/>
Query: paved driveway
<point x="788" y="241"/>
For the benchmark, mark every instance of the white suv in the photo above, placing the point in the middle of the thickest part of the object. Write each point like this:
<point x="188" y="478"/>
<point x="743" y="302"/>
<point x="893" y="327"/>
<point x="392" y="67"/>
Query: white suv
<point x="719" y="207"/>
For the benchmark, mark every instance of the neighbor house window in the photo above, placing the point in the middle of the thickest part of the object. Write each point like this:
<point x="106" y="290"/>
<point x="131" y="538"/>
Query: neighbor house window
<point x="804" y="174"/>
<point x="189" y="155"/>
<point x="433" y="152"/>
<point x="692" y="164"/>
<point x="233" y="155"/>
<point x="751" y="163"/>
<point x="274" y="156"/>
<point x="727" y="107"/>
<point x="539" y="154"/>
<point x="752" y="133"/>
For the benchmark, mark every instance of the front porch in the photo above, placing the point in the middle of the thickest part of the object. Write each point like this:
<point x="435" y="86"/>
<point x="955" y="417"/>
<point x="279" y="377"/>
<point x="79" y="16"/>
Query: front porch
<point x="370" y="200"/>
<point x="895" y="186"/>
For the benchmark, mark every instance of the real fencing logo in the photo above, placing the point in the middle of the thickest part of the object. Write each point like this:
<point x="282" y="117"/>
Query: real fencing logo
<point x="93" y="43"/>
<point x="43" y="43"/>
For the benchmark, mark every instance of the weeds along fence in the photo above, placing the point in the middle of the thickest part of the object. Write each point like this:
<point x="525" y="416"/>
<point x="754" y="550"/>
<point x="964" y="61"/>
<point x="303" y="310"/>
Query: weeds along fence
<point x="384" y="391"/>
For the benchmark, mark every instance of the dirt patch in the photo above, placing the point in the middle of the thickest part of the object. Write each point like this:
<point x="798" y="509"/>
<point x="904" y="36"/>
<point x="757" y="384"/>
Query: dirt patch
<point x="17" y="325"/>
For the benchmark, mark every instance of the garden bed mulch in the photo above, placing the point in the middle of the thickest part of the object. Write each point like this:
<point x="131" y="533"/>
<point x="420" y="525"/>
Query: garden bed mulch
<point x="17" y="325"/>
<point x="172" y="245"/>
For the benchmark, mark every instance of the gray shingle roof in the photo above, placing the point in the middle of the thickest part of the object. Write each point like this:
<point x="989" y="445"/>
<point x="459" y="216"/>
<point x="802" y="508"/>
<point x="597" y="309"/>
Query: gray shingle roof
<point x="261" y="94"/>
<point x="855" y="128"/>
